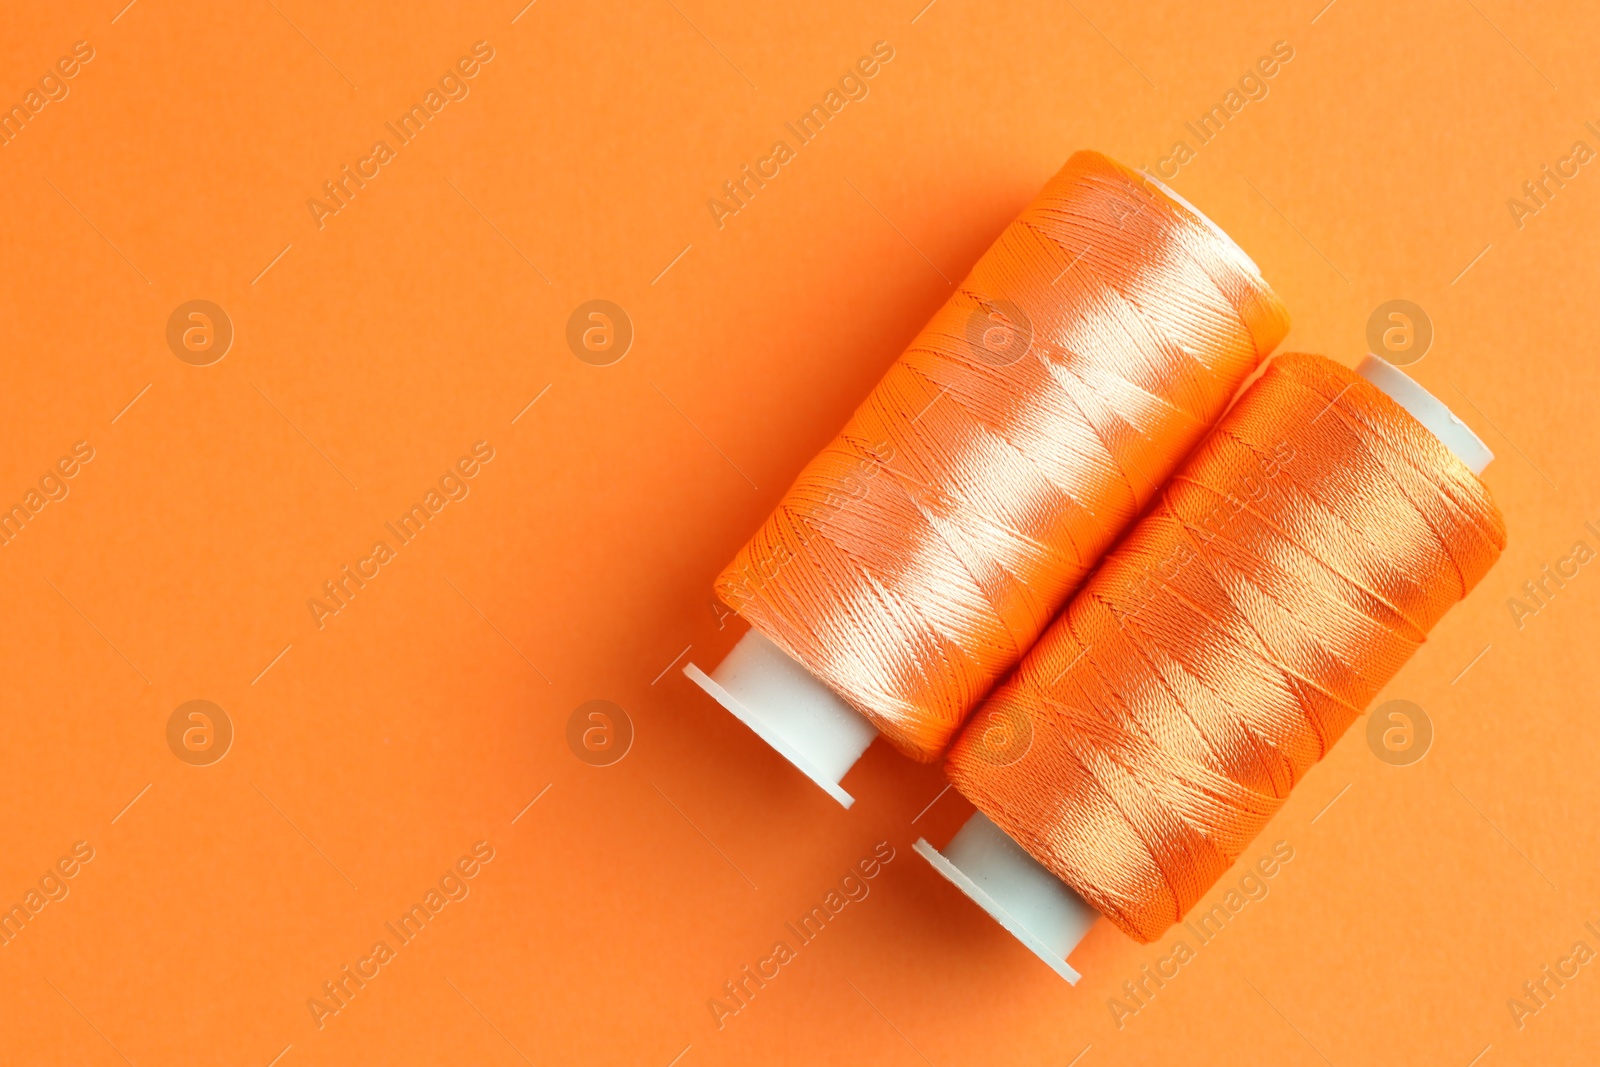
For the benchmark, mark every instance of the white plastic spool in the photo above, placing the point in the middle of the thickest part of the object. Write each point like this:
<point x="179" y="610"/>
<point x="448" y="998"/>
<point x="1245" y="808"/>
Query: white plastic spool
<point x="1017" y="890"/>
<point x="795" y="712"/>
<point x="1428" y="410"/>
<point x="790" y="709"/>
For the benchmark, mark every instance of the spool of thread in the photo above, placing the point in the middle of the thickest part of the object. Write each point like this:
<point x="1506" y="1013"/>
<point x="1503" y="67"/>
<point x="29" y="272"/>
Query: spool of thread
<point x="923" y="551"/>
<point x="1291" y="567"/>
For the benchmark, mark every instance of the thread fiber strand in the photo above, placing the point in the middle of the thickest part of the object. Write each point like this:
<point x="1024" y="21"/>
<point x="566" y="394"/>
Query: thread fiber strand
<point x="1292" y="565"/>
<point x="926" y="547"/>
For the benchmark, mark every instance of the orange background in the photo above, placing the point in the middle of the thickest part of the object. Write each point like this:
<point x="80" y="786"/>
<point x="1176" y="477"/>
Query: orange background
<point x="426" y="715"/>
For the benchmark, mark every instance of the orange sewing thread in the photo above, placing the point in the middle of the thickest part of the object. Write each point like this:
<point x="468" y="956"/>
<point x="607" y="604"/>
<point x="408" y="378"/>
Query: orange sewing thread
<point x="922" y="552"/>
<point x="1291" y="567"/>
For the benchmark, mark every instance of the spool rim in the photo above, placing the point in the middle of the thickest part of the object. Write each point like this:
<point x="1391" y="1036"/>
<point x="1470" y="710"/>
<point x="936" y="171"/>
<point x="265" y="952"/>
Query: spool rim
<point x="1435" y="416"/>
<point x="1216" y="231"/>
<point x="980" y="896"/>
<point x="776" y="741"/>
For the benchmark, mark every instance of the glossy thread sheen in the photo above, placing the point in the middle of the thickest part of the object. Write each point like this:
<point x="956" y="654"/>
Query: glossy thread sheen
<point x="924" y="550"/>
<point x="1291" y="567"/>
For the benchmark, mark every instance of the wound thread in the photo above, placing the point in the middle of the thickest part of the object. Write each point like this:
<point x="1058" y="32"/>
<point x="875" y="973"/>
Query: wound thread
<point x="927" y="546"/>
<point x="1291" y="567"/>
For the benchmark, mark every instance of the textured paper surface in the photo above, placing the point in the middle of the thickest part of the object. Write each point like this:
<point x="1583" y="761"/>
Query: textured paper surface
<point x="373" y="749"/>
